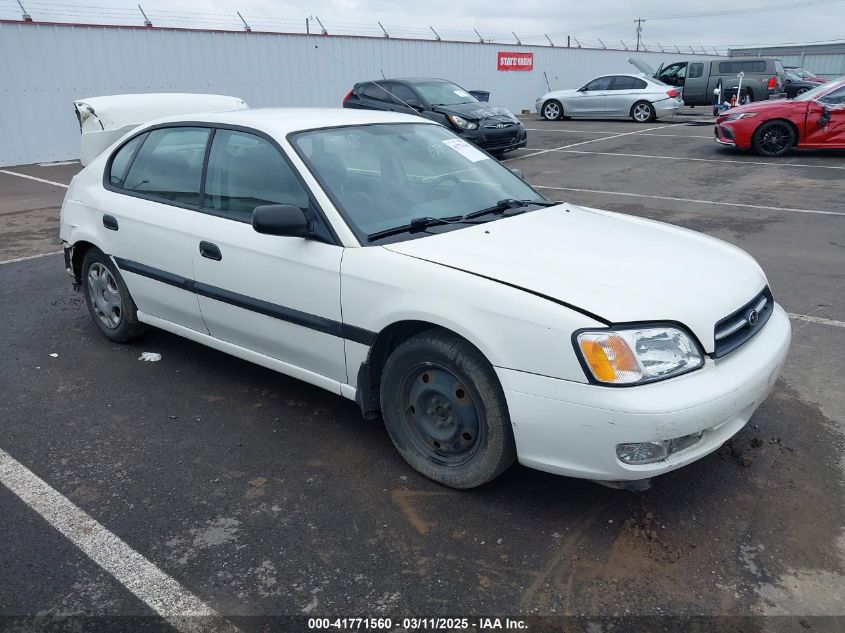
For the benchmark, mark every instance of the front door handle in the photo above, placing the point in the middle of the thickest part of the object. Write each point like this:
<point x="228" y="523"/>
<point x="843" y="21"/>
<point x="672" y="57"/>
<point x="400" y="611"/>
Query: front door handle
<point x="210" y="251"/>
<point x="110" y="222"/>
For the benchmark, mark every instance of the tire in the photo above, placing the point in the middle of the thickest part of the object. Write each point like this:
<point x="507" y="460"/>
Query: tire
<point x="800" y="91"/>
<point x="774" y="138"/>
<point x="445" y="410"/>
<point x="643" y="112"/>
<point x="552" y="110"/>
<point x="109" y="302"/>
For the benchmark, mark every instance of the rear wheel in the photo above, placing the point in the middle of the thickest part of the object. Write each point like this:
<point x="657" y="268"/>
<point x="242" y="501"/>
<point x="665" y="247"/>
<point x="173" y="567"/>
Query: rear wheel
<point x="774" y="138"/>
<point x="643" y="112"/>
<point x="445" y="410"/>
<point x="108" y="300"/>
<point x="552" y="110"/>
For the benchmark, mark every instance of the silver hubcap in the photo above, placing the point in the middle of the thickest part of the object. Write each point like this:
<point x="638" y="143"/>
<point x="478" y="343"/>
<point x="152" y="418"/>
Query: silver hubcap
<point x="642" y="112"/>
<point x="552" y="111"/>
<point x="105" y="298"/>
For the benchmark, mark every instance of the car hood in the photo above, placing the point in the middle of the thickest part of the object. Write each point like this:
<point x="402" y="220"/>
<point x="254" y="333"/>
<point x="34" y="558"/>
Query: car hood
<point x="476" y="111"/>
<point x="616" y="267"/>
<point x="560" y="93"/>
<point x="763" y="106"/>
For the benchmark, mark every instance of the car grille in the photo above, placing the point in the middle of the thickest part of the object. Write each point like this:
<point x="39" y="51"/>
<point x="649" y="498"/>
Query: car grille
<point x="738" y="327"/>
<point x="500" y="142"/>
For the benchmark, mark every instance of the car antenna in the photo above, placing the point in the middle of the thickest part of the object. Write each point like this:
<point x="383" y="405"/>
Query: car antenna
<point x="348" y="67"/>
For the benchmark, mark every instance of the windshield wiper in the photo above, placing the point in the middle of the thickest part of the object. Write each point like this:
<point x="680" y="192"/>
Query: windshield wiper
<point x="420" y="224"/>
<point x="505" y="205"/>
<point x="417" y="224"/>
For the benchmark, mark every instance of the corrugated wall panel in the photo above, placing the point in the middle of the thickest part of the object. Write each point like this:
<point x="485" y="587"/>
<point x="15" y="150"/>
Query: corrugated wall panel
<point x="827" y="60"/>
<point x="45" y="67"/>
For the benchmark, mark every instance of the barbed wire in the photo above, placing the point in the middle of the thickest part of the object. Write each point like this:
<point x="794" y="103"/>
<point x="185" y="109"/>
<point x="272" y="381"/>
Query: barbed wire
<point x="71" y="13"/>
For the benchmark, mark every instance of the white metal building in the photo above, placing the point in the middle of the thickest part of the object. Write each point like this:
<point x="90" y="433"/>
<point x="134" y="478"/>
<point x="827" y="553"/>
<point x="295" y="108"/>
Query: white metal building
<point x="826" y="60"/>
<point x="45" y="67"/>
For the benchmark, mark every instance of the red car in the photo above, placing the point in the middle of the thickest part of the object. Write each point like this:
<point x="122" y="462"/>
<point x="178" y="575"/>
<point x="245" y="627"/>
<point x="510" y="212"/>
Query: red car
<point x="814" y="119"/>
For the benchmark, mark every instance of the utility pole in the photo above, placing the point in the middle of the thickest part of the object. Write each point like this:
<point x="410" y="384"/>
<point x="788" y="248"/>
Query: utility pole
<point x="639" y="22"/>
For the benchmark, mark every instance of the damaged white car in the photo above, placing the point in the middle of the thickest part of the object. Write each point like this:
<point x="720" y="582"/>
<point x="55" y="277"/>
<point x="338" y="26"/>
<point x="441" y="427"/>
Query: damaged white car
<point x="381" y="257"/>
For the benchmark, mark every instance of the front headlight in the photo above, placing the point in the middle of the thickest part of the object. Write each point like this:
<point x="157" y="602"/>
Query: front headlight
<point x="638" y="355"/>
<point x="460" y="122"/>
<point x="740" y="115"/>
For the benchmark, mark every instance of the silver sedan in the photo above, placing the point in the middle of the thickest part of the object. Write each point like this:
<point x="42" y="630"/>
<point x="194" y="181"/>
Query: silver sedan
<point x="639" y="97"/>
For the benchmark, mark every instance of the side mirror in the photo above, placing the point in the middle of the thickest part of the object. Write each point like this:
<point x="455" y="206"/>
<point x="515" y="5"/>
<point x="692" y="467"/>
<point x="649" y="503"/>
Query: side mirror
<point x="518" y="173"/>
<point x="280" y="219"/>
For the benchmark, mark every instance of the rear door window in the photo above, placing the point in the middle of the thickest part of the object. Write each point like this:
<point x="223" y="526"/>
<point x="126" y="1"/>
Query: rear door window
<point x="696" y="70"/>
<point x="623" y="82"/>
<point x="168" y="167"/>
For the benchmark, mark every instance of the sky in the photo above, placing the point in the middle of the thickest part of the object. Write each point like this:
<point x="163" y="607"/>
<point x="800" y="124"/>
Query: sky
<point x="717" y="23"/>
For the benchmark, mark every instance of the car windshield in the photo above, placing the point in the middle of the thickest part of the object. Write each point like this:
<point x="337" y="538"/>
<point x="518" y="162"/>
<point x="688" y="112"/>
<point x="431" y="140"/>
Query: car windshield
<point x="444" y="93"/>
<point x="386" y="175"/>
<point x="794" y="76"/>
<point x="819" y="90"/>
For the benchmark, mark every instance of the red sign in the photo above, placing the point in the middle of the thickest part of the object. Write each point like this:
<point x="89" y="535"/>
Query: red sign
<point x="515" y="61"/>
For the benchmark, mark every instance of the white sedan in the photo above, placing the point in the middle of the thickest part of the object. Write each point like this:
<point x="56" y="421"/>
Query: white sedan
<point x="639" y="97"/>
<point x="381" y="257"/>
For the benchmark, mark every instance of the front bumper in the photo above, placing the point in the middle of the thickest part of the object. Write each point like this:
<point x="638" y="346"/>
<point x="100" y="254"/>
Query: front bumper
<point x="572" y="428"/>
<point x="494" y="140"/>
<point x="724" y="135"/>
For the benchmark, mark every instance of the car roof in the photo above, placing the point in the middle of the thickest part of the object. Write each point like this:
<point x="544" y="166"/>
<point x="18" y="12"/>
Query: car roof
<point x="409" y="80"/>
<point x="279" y="122"/>
<point x="635" y="75"/>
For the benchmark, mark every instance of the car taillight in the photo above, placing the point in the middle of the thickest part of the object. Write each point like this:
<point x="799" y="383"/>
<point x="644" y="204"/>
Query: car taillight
<point x="773" y="83"/>
<point x="673" y="93"/>
<point x="346" y="98"/>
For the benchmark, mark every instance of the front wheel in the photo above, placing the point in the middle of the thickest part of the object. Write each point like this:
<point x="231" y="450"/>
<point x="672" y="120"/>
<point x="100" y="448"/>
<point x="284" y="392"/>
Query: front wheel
<point x="445" y="410"/>
<point x="774" y="138"/>
<point x="552" y="110"/>
<point x="643" y="112"/>
<point x="108" y="299"/>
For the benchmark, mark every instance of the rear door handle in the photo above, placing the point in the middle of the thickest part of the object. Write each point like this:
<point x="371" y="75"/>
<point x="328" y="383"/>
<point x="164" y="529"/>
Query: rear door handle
<point x="210" y="251"/>
<point x="110" y="222"/>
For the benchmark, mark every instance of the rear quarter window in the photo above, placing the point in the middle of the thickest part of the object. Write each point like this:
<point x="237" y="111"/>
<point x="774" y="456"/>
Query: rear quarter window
<point x="122" y="159"/>
<point x="695" y="70"/>
<point x="374" y="91"/>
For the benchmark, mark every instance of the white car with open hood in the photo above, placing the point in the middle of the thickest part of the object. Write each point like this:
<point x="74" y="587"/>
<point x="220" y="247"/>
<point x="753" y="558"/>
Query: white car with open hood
<point x="381" y="257"/>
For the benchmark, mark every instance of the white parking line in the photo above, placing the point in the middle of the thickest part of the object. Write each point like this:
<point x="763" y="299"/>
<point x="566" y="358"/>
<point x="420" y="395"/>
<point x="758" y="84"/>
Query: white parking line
<point x="23" y="259"/>
<point x="159" y="591"/>
<point x="814" y="319"/>
<point x="28" y="177"/>
<point x="537" y="129"/>
<point x="693" y="200"/>
<point x="595" y="140"/>
<point x="701" y="160"/>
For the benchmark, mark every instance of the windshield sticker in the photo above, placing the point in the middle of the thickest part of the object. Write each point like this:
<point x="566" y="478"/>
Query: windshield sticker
<point x="461" y="93"/>
<point x="465" y="149"/>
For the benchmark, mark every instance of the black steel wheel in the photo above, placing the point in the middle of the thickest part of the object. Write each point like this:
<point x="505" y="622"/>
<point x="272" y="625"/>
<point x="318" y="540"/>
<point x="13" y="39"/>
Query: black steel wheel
<point x="774" y="138"/>
<point x="445" y="410"/>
